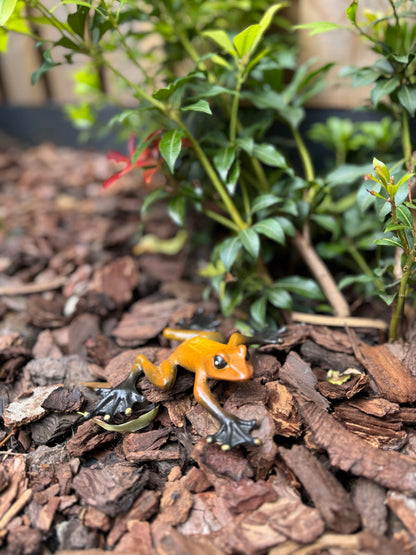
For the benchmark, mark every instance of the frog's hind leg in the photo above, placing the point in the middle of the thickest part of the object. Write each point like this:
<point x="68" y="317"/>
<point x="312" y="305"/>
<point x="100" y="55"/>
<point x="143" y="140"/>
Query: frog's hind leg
<point x="162" y="376"/>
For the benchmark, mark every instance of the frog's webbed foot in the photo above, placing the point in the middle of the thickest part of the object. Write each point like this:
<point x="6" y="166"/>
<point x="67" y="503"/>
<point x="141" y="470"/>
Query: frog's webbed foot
<point x="118" y="399"/>
<point x="234" y="431"/>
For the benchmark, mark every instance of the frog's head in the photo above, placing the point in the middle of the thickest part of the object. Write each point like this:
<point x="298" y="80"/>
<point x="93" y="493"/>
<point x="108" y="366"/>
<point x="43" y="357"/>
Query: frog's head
<point x="230" y="364"/>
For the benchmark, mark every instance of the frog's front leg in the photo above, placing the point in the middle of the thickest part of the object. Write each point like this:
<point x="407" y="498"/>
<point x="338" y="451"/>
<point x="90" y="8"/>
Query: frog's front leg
<point x="233" y="431"/>
<point x="120" y="398"/>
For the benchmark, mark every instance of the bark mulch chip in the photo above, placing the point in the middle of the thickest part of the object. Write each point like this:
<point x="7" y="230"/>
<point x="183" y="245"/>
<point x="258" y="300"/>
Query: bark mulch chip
<point x="336" y="470"/>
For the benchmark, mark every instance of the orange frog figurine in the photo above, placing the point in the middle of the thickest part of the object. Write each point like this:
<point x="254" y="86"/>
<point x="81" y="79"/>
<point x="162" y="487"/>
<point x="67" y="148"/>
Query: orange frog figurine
<point x="202" y="353"/>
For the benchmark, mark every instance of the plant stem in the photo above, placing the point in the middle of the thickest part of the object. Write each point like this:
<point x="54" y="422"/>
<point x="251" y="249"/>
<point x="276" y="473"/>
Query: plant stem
<point x="211" y="173"/>
<point x="307" y="164"/>
<point x="263" y="272"/>
<point x="234" y="108"/>
<point x="401" y="298"/>
<point x="160" y="106"/>
<point x="130" y="53"/>
<point x="262" y="184"/>
<point x="362" y="263"/>
<point x="221" y="219"/>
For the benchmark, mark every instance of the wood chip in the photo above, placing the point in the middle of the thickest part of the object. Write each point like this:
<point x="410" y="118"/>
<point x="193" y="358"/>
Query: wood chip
<point x="117" y="279"/>
<point x="283" y="409"/>
<point x="175" y="504"/>
<point x="352" y="454"/>
<point x="404" y="507"/>
<point x="370" y="501"/>
<point x="327" y="494"/>
<point x="137" y="540"/>
<point x="89" y="436"/>
<point x="145" y="320"/>
<point x="291" y="518"/>
<point x="393" y="380"/>
<point x="28" y="409"/>
<point x="376" y="406"/>
<point x="297" y="374"/>
<point x="111" y="487"/>
<point x="380" y="432"/>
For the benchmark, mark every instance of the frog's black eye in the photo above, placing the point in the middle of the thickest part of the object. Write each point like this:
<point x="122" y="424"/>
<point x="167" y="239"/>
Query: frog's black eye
<point x="219" y="362"/>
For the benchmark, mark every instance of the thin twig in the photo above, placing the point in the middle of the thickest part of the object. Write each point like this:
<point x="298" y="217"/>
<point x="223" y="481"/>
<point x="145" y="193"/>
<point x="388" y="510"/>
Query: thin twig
<point x="338" y="321"/>
<point x="322" y="275"/>
<point x="15" y="508"/>
<point x="31" y="288"/>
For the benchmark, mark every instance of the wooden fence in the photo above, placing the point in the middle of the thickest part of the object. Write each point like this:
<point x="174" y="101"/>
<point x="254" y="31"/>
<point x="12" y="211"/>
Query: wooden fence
<point x="343" y="47"/>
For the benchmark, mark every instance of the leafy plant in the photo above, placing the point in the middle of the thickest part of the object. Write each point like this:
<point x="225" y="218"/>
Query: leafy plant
<point x="222" y="109"/>
<point x="211" y="117"/>
<point x="391" y="78"/>
<point x="399" y="230"/>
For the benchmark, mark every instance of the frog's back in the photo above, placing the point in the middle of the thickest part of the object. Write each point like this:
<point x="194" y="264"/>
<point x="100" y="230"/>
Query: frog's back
<point x="193" y="353"/>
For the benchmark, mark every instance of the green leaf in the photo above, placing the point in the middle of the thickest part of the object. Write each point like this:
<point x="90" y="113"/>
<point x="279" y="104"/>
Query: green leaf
<point x="229" y="250"/>
<point x="350" y="280"/>
<point x="266" y="21"/>
<point x="245" y="40"/>
<point x="382" y="171"/>
<point x="166" y="92"/>
<point x="3" y="40"/>
<point x="405" y="178"/>
<point x="154" y="196"/>
<point x="395" y="227"/>
<point x="81" y="115"/>
<point x="170" y="147"/>
<point x="223" y="161"/>
<point x="264" y="201"/>
<point x="287" y="225"/>
<point x="176" y="209"/>
<point x="317" y="27"/>
<point x="327" y="221"/>
<point x="404" y="215"/>
<point x="407" y="98"/>
<point x="303" y="286"/>
<point x="351" y="12"/>
<point x="77" y="20"/>
<point x="47" y="64"/>
<point x="389" y="242"/>
<point x="247" y="144"/>
<point x="279" y="297"/>
<point x="271" y="228"/>
<point x="251" y="241"/>
<point x="131" y="426"/>
<point x="388" y="299"/>
<point x="269" y="155"/>
<point x="6" y="9"/>
<point x="222" y="39"/>
<point x="68" y="44"/>
<point x="347" y="174"/>
<point x="220" y="61"/>
<point x="378" y="195"/>
<point x="365" y="76"/>
<point x="258" y="311"/>
<point x="200" y="106"/>
<point x="233" y="177"/>
<point x="382" y="88"/>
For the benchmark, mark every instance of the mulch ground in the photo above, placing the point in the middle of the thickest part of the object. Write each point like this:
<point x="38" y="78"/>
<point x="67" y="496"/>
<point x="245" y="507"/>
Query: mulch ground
<point x="336" y="472"/>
